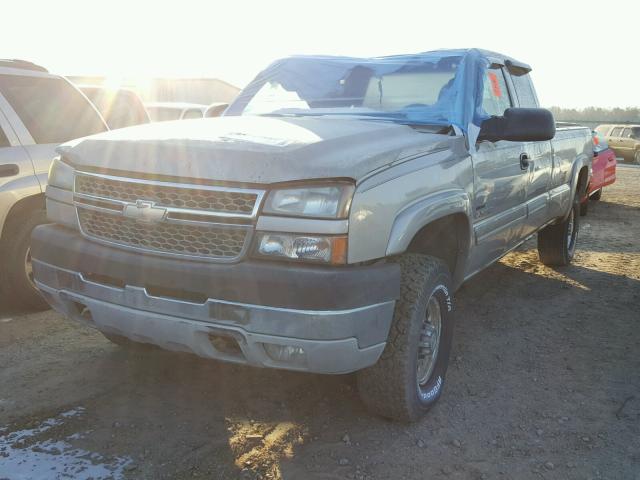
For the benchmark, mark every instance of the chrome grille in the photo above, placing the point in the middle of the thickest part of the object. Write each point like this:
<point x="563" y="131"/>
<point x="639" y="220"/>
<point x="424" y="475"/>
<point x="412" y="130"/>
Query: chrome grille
<point x="184" y="197"/>
<point x="205" y="222"/>
<point x="175" y="238"/>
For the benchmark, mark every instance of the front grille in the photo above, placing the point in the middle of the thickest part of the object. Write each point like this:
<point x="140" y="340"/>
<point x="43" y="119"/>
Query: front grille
<point x="192" y="198"/>
<point x="212" y="241"/>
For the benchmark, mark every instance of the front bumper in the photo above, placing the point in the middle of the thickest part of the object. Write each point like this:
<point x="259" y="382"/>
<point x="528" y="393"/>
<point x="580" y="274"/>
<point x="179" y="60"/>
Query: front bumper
<point x="339" y="318"/>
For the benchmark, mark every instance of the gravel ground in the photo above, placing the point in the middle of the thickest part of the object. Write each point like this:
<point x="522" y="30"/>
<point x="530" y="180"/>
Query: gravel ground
<point x="544" y="383"/>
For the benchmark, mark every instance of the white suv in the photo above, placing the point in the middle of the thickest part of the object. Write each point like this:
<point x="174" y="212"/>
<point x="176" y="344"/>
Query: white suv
<point x="38" y="111"/>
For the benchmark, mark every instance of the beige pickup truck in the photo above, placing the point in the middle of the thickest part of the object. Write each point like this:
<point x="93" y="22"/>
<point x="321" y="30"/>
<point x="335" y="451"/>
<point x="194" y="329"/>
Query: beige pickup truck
<point x="323" y="224"/>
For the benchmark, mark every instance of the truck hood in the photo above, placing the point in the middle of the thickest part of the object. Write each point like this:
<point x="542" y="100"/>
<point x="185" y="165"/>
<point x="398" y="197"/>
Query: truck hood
<point x="254" y="150"/>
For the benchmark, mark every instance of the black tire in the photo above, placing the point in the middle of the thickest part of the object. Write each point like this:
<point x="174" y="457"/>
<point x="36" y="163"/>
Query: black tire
<point x="636" y="157"/>
<point x="391" y="387"/>
<point x="18" y="288"/>
<point x="595" y="196"/>
<point x="555" y="247"/>
<point x="584" y="207"/>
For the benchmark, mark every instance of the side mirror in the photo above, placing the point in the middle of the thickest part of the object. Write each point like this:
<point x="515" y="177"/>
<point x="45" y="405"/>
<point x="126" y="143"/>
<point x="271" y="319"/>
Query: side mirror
<point x="519" y="125"/>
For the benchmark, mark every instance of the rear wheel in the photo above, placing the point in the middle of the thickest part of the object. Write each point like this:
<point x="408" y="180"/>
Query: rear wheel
<point x="584" y="207"/>
<point x="20" y="288"/>
<point x="557" y="243"/>
<point x="636" y="157"/>
<point x="409" y="377"/>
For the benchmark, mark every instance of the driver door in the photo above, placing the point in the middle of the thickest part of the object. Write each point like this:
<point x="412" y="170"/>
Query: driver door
<point x="499" y="205"/>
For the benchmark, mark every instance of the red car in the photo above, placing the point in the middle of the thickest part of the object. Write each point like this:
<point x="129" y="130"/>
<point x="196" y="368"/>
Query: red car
<point x="604" y="171"/>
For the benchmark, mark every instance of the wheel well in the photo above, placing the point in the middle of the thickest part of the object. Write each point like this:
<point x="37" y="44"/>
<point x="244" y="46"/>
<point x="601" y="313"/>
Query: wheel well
<point x="20" y="208"/>
<point x="447" y="239"/>
<point x="583" y="177"/>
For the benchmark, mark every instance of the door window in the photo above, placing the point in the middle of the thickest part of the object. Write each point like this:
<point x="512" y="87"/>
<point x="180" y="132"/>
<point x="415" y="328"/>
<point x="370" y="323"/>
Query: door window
<point x="495" y="97"/>
<point x="616" y="132"/>
<point x="524" y="90"/>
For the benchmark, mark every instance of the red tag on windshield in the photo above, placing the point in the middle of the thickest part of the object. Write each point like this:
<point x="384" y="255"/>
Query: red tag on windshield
<point x="495" y="85"/>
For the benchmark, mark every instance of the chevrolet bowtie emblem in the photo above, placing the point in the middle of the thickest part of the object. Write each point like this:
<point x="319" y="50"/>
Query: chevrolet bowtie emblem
<point x="145" y="211"/>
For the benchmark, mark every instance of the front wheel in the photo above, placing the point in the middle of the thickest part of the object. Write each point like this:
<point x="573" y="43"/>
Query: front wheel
<point x="595" y="196"/>
<point x="15" y="260"/>
<point x="557" y="243"/>
<point x="409" y="377"/>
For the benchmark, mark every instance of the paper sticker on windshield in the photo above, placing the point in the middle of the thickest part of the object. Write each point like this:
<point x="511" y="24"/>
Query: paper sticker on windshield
<point x="495" y="85"/>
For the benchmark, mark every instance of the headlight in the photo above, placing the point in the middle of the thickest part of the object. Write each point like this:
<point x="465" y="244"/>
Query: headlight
<point x="314" y="248"/>
<point x="61" y="174"/>
<point x="328" y="201"/>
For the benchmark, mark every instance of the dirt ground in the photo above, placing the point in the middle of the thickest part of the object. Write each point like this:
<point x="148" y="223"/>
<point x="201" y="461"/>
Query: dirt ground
<point x="544" y="383"/>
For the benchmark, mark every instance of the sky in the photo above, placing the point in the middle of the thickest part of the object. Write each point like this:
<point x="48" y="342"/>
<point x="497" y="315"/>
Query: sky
<point x="583" y="53"/>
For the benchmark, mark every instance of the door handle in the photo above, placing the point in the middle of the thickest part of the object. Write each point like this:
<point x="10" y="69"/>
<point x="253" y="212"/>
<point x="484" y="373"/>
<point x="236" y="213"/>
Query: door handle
<point x="9" y="170"/>
<point x="524" y="161"/>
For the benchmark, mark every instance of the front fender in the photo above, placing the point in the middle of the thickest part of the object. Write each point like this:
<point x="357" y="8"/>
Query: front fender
<point x="14" y="191"/>
<point x="422" y="212"/>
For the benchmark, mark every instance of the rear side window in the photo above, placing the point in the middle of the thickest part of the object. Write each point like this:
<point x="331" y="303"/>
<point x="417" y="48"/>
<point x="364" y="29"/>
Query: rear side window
<point x="495" y="97"/>
<point x="635" y="133"/>
<point x="524" y="90"/>
<point x="52" y="110"/>
<point x="4" y="141"/>
<point x="118" y="108"/>
<point x="616" y="132"/>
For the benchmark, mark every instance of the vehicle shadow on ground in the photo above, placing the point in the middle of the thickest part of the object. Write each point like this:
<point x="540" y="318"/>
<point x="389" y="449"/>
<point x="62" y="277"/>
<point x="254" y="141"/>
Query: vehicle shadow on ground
<point x="177" y="415"/>
<point x="605" y="210"/>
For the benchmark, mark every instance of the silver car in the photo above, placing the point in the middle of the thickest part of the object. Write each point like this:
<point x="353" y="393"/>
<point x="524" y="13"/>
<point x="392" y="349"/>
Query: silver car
<point x="38" y="111"/>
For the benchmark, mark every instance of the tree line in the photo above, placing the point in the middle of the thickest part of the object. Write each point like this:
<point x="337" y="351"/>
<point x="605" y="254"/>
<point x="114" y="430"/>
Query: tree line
<point x="597" y="115"/>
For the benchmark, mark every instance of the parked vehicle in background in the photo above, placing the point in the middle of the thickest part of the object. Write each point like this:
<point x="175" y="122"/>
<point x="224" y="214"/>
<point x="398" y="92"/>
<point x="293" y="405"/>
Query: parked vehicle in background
<point x="323" y="223"/>
<point x="163" y="111"/>
<point x="603" y="171"/>
<point x="38" y="111"/>
<point x="120" y="107"/>
<point x="215" y="110"/>
<point x="624" y="140"/>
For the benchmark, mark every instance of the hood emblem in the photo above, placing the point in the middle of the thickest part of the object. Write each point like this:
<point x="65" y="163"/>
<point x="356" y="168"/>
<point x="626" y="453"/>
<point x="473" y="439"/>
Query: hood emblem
<point x="145" y="211"/>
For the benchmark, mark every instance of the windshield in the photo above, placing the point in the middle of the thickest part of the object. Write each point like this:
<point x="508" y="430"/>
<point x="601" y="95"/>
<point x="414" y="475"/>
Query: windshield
<point x="420" y="89"/>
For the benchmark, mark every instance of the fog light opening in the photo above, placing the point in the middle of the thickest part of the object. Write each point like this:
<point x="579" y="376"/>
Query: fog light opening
<point x="85" y="313"/>
<point x="226" y="345"/>
<point x="286" y="353"/>
<point x="82" y="311"/>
